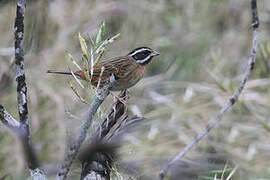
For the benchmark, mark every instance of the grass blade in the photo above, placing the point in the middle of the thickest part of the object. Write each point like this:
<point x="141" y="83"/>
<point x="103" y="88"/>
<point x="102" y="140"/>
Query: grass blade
<point x="101" y="33"/>
<point x="77" y="80"/>
<point x="83" y="46"/>
<point x="73" y="61"/>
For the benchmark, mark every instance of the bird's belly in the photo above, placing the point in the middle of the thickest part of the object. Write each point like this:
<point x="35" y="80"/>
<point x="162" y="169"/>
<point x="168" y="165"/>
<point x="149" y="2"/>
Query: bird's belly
<point x="122" y="86"/>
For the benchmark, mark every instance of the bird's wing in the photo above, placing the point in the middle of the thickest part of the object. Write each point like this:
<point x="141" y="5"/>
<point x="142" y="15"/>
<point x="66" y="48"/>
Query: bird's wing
<point x="120" y="67"/>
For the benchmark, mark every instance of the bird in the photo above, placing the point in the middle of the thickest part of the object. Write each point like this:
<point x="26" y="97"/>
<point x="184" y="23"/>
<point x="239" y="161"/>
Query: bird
<point x="127" y="70"/>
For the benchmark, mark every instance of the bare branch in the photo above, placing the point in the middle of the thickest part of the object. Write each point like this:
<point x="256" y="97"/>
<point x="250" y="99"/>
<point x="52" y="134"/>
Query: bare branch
<point x="115" y="112"/>
<point x="7" y="119"/>
<point x="28" y="150"/>
<point x="19" y="63"/>
<point x="122" y="126"/>
<point x="74" y="148"/>
<point x="20" y="132"/>
<point x="94" y="176"/>
<point x="232" y="100"/>
<point x="21" y="129"/>
<point x="97" y="159"/>
<point x="98" y="163"/>
<point x="98" y="156"/>
<point x="37" y="174"/>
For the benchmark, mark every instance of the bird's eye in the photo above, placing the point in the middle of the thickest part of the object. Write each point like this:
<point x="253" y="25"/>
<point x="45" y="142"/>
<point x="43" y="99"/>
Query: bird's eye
<point x="142" y="55"/>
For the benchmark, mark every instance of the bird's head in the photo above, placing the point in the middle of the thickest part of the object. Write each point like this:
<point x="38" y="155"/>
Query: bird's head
<point x="143" y="55"/>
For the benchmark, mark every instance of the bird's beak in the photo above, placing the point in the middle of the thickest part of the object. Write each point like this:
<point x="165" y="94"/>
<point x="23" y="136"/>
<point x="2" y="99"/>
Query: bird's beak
<point x="155" y="53"/>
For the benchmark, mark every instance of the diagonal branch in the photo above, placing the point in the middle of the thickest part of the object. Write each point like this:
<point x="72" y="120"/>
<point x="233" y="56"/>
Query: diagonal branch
<point x="117" y="110"/>
<point x="232" y="100"/>
<point x="7" y="119"/>
<point x="98" y="156"/>
<point x="74" y="148"/>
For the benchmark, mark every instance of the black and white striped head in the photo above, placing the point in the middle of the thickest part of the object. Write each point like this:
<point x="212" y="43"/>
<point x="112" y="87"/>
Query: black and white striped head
<point x="143" y="55"/>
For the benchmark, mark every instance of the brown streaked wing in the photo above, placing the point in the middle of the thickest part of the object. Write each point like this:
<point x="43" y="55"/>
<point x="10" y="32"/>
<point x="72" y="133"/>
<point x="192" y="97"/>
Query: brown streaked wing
<point x="120" y="67"/>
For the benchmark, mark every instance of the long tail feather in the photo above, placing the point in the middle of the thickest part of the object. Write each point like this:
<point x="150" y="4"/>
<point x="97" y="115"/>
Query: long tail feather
<point x="58" y="72"/>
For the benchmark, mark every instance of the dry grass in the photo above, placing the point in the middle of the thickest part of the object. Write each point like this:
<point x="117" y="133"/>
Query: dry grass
<point x="203" y="45"/>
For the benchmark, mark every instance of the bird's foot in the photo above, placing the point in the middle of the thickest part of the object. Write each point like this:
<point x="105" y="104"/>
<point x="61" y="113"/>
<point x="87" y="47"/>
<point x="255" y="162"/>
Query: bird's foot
<point x="122" y="97"/>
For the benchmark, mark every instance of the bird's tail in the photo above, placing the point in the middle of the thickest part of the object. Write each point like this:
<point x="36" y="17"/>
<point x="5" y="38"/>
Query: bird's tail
<point x="59" y="72"/>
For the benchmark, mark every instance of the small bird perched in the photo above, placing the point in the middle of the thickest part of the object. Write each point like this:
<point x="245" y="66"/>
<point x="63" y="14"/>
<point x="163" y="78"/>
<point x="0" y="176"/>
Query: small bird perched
<point x="127" y="70"/>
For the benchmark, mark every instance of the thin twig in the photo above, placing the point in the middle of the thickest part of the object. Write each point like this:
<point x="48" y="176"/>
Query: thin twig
<point x="74" y="148"/>
<point x="232" y="100"/>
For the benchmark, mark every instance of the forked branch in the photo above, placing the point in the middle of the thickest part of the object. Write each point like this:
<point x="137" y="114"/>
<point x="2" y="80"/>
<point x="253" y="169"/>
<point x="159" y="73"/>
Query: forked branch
<point x="98" y="156"/>
<point x="74" y="148"/>
<point x="21" y="128"/>
<point x="8" y="120"/>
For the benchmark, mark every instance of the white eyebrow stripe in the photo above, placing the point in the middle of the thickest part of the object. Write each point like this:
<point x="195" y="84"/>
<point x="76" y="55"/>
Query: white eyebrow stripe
<point x="139" y="50"/>
<point x="144" y="60"/>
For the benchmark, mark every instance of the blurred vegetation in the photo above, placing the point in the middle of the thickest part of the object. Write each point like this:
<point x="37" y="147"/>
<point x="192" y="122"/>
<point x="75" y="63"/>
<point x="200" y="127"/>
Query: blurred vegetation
<point x="204" y="47"/>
